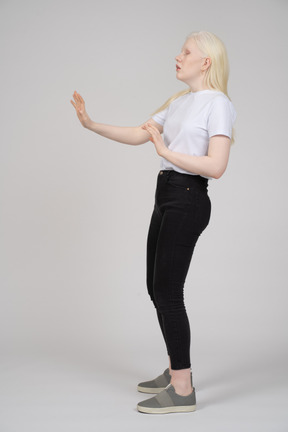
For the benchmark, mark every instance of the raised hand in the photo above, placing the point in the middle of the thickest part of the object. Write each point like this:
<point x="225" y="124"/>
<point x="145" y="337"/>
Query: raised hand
<point x="79" y="106"/>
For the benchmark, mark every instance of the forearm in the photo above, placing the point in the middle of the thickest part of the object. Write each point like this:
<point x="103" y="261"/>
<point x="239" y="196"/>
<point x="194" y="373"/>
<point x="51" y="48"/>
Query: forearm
<point x="125" y="135"/>
<point x="202" y="165"/>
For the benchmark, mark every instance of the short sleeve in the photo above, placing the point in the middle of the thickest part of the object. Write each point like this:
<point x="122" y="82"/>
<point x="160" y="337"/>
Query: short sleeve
<point x="160" y="117"/>
<point x="221" y="117"/>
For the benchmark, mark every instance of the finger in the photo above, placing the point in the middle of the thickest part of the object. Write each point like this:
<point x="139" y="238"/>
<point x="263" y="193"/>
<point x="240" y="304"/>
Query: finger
<point x="81" y="99"/>
<point x="153" y="128"/>
<point x="77" y="97"/>
<point x="148" y="126"/>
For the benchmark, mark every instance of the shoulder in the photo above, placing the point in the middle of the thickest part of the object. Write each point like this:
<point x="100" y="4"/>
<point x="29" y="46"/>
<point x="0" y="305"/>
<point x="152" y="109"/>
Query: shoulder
<point x="220" y="98"/>
<point x="220" y="101"/>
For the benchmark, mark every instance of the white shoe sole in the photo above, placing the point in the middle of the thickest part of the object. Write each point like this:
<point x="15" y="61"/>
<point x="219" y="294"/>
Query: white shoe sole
<point x="166" y="410"/>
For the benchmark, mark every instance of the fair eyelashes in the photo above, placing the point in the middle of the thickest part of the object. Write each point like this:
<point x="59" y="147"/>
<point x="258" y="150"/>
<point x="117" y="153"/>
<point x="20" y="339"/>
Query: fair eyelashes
<point x="187" y="50"/>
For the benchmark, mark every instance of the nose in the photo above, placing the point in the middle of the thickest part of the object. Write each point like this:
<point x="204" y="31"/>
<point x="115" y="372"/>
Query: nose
<point x="177" y="58"/>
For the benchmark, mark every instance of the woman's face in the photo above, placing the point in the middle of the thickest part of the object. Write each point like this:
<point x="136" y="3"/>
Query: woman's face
<point x="191" y="61"/>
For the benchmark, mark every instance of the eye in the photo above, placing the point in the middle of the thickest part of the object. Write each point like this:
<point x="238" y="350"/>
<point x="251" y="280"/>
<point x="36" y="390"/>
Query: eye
<point x="186" y="52"/>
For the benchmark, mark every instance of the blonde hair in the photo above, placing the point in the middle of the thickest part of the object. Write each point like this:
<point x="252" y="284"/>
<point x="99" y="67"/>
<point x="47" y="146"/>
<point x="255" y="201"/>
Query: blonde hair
<point x="216" y="76"/>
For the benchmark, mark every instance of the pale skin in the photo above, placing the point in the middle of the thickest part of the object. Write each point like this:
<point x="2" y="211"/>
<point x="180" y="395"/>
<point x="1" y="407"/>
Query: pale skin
<point x="194" y="66"/>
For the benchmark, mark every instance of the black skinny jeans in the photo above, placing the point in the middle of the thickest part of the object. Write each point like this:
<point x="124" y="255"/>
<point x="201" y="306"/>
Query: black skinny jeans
<point x="181" y="212"/>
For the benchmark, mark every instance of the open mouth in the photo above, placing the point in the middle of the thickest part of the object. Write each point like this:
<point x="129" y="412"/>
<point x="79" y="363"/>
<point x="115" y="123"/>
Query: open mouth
<point x="177" y="67"/>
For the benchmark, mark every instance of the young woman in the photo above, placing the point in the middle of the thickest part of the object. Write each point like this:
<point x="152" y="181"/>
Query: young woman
<point x="197" y="126"/>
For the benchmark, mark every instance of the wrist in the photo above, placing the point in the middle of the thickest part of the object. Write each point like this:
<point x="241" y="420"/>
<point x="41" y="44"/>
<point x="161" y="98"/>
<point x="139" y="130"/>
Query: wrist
<point x="165" y="152"/>
<point x="88" y="124"/>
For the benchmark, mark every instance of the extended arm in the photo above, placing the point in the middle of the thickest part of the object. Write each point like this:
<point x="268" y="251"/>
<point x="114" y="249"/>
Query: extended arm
<point x="126" y="135"/>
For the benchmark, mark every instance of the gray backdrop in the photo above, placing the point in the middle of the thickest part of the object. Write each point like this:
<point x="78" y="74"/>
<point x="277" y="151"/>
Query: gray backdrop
<point x="78" y="330"/>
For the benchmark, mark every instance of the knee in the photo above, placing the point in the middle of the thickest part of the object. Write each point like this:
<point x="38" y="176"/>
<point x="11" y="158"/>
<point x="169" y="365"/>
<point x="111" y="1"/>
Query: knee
<point x="150" y="290"/>
<point x="167" y="303"/>
<point x="154" y="302"/>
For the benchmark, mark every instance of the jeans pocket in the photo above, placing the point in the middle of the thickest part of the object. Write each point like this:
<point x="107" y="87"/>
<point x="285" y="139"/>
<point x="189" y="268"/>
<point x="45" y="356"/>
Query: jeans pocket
<point x="179" y="183"/>
<point x="191" y="192"/>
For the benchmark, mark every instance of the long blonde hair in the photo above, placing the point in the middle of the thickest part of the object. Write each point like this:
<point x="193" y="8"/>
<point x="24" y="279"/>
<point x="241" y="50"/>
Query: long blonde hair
<point x="216" y="77"/>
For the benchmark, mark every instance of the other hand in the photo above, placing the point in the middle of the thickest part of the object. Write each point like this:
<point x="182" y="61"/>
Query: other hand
<point x="156" y="138"/>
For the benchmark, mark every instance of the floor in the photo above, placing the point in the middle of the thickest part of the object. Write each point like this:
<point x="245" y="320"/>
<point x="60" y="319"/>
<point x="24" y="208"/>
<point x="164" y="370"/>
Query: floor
<point x="56" y="393"/>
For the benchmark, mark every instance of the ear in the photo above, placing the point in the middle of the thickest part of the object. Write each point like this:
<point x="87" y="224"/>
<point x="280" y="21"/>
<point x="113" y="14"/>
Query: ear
<point x="206" y="63"/>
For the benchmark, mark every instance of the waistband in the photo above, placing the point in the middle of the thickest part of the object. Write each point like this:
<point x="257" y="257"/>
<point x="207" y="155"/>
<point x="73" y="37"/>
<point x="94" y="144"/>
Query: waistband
<point x="188" y="177"/>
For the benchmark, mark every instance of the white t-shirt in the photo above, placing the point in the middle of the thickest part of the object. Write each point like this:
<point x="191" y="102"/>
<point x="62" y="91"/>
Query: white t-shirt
<point x="191" y="119"/>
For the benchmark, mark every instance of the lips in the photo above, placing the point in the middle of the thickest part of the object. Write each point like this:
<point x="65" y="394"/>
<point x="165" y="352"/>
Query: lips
<point x="177" y="67"/>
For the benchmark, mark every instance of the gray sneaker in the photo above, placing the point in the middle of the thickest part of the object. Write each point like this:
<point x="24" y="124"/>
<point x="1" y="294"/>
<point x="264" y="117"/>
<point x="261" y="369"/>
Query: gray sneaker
<point x="158" y="384"/>
<point x="168" y="401"/>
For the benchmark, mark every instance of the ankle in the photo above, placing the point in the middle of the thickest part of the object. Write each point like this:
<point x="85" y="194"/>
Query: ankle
<point x="182" y="390"/>
<point x="181" y="383"/>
